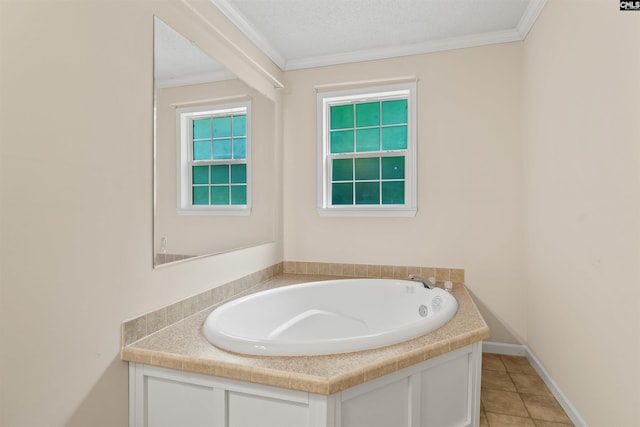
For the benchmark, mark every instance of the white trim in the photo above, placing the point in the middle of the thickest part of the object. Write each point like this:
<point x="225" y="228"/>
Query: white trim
<point x="136" y="390"/>
<point x="183" y="147"/>
<point x="357" y="92"/>
<point x="364" y="84"/>
<point x="220" y="100"/>
<point x="406" y="50"/>
<point x="252" y="34"/>
<point x="194" y="79"/>
<point x="216" y="210"/>
<point x="247" y="57"/>
<point x="229" y="384"/>
<point x="504" y="348"/>
<point x="568" y="407"/>
<point x="519" y="33"/>
<point x="523" y="350"/>
<point x="355" y="211"/>
<point x="530" y="16"/>
<point x="198" y="22"/>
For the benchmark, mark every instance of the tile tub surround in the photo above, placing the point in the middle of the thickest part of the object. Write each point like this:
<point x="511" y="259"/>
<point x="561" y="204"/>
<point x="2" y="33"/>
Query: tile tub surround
<point x="182" y="346"/>
<point x="166" y="258"/>
<point x="149" y="323"/>
<point x="373" y="271"/>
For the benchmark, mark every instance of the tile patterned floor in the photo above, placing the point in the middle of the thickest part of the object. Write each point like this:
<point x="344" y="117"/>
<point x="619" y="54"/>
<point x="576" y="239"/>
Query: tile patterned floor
<point x="513" y="394"/>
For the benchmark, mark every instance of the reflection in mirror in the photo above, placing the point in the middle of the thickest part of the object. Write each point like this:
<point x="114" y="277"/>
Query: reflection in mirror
<point x="192" y="216"/>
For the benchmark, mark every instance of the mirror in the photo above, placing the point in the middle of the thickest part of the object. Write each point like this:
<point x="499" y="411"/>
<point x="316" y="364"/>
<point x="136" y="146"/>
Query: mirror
<point x="185" y="78"/>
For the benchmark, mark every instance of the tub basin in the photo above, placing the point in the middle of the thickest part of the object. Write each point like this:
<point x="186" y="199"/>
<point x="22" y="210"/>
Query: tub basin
<point x="327" y="317"/>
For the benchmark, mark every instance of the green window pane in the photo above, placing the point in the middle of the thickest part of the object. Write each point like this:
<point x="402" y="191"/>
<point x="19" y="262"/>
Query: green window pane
<point x="221" y="149"/>
<point x="368" y="114"/>
<point x="201" y="195"/>
<point x="238" y="194"/>
<point x="239" y="174"/>
<point x="220" y="174"/>
<point x="201" y="128"/>
<point x="394" y="138"/>
<point x="368" y="139"/>
<point x="342" y="193"/>
<point x="202" y="150"/>
<point x="367" y="193"/>
<point x="221" y="127"/>
<point x="342" y="141"/>
<point x="200" y="174"/>
<point x="342" y="170"/>
<point x="220" y="195"/>
<point x="367" y="169"/>
<point x="239" y="125"/>
<point x="393" y="193"/>
<point x="341" y="116"/>
<point x="393" y="168"/>
<point x="240" y="148"/>
<point x="394" y="112"/>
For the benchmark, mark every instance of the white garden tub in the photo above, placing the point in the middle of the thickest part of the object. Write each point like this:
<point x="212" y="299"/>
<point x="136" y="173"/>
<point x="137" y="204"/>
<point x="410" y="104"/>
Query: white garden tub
<point x="325" y="317"/>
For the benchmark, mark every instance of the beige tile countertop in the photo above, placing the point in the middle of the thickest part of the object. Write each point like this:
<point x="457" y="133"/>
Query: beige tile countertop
<point x="182" y="346"/>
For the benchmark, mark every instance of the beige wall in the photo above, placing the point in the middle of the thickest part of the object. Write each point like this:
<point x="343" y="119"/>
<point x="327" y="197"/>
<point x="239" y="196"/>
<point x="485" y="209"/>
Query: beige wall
<point x="527" y="152"/>
<point x="582" y="204"/>
<point x="203" y="234"/>
<point x="76" y="241"/>
<point x="469" y="177"/>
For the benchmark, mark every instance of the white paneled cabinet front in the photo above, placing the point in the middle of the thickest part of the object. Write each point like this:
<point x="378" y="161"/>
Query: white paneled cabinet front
<point x="444" y="391"/>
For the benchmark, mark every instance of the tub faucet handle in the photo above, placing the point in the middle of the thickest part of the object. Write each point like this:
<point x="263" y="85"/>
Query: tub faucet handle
<point x="428" y="283"/>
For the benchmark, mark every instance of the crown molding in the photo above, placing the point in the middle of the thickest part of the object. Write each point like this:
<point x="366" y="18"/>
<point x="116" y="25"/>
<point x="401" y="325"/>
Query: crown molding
<point x="252" y="34"/>
<point x="519" y="33"/>
<point x="405" y="50"/>
<point x="530" y="16"/>
<point x="194" y="79"/>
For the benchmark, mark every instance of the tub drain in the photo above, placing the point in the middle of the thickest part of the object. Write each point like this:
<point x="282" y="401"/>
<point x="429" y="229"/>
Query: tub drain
<point x="423" y="310"/>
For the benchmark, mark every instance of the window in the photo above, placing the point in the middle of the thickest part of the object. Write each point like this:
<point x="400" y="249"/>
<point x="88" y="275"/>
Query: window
<point x="367" y="151"/>
<point x="214" y="153"/>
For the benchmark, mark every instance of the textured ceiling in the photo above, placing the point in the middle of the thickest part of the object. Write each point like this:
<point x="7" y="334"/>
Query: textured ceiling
<point x="309" y="33"/>
<point x="179" y="62"/>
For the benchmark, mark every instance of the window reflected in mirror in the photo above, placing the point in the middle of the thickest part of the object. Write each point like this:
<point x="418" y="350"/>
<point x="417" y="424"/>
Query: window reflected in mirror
<point x="214" y="165"/>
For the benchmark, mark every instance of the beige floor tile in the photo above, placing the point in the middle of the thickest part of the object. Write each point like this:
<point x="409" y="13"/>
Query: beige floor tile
<point x="530" y="384"/>
<point x="493" y="362"/>
<point x="483" y="419"/>
<point x="544" y="408"/>
<point x="501" y="420"/>
<point x="541" y="423"/>
<point x="497" y="380"/>
<point x="503" y="402"/>
<point x="513" y="394"/>
<point x="518" y="365"/>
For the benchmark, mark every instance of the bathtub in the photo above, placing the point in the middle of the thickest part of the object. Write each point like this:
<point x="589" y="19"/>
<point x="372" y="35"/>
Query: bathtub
<point x="327" y="317"/>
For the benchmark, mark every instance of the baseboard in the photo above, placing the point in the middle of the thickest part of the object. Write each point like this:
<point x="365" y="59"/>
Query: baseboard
<point x="523" y="350"/>
<point x="503" y="348"/>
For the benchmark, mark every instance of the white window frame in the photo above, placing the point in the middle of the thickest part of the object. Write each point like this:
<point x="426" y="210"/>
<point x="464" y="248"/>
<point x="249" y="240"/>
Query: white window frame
<point x="184" y="116"/>
<point x="362" y="94"/>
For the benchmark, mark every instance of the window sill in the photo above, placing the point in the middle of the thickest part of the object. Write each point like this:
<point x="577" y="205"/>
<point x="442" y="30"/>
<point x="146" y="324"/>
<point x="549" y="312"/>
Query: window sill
<point x="376" y="212"/>
<point x="216" y="211"/>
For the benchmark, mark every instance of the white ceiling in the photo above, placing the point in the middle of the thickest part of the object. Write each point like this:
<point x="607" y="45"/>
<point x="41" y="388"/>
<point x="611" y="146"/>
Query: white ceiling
<point x="178" y="62"/>
<point x="309" y="33"/>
